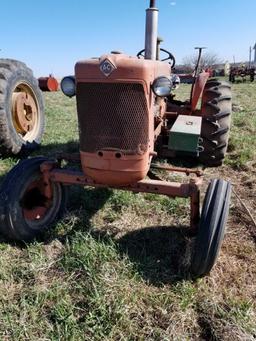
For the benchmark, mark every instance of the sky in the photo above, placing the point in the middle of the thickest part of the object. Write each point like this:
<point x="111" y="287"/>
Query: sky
<point x="51" y="35"/>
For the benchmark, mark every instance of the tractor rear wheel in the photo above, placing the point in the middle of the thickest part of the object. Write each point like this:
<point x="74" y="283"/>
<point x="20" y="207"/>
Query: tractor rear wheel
<point x="211" y="228"/>
<point x="25" y="210"/>
<point x="216" y="109"/>
<point x="21" y="108"/>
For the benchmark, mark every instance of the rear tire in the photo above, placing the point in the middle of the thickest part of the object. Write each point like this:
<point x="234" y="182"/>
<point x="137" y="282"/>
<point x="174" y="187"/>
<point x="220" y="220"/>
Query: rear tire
<point x="19" y="133"/>
<point x="211" y="228"/>
<point x="216" y="112"/>
<point x="24" y="209"/>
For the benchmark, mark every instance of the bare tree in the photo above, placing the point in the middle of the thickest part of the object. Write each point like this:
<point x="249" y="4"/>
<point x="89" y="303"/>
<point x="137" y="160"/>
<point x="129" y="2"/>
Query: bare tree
<point x="208" y="59"/>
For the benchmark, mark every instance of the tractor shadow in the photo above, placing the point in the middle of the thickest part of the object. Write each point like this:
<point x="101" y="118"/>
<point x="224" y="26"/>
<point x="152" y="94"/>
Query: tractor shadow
<point x="160" y="254"/>
<point x="52" y="149"/>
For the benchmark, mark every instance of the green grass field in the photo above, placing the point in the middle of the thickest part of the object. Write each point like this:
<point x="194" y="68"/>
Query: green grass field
<point x="115" y="267"/>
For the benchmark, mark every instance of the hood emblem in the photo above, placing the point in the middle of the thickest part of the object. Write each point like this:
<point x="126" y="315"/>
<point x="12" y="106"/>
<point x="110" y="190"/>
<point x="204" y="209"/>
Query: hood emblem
<point x="106" y="67"/>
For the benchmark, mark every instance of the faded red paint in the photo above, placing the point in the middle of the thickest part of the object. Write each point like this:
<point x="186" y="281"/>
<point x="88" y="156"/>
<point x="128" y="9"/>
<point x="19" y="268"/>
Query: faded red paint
<point x="115" y="166"/>
<point x="37" y="212"/>
<point x="48" y="83"/>
<point x="170" y="189"/>
<point x="198" y="88"/>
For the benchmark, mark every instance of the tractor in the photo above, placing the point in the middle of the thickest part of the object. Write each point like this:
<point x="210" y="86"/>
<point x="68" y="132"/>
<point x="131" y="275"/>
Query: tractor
<point x="128" y="115"/>
<point x="241" y="72"/>
<point x="22" y="117"/>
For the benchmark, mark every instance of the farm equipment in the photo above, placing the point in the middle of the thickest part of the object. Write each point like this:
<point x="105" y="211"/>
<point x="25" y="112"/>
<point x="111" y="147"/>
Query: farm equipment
<point x="48" y="84"/>
<point x="241" y="72"/>
<point x="21" y="108"/>
<point x="127" y="115"/>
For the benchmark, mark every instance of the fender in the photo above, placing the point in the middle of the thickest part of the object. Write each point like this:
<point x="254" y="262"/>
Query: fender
<point x="198" y="88"/>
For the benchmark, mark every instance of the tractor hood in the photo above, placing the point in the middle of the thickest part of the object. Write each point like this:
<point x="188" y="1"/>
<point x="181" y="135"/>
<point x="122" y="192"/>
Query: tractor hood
<point x="122" y="68"/>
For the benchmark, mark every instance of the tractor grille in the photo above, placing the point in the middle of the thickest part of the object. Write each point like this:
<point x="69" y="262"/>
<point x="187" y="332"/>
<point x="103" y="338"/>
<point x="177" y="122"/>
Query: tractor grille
<point x="112" y="116"/>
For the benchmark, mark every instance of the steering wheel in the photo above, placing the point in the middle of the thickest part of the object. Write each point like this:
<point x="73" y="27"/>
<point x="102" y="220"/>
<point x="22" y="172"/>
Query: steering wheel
<point x="169" y="57"/>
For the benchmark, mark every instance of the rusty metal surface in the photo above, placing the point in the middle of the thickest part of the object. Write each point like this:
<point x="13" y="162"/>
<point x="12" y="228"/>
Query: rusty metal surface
<point x="112" y="116"/>
<point x="52" y="173"/>
<point x="46" y="168"/>
<point x="158" y="129"/>
<point x="24" y="112"/>
<point x="194" y="204"/>
<point x="187" y="171"/>
<point x="38" y="189"/>
<point x="48" y="83"/>
<point x="172" y="189"/>
<point x="198" y="88"/>
<point x="125" y="160"/>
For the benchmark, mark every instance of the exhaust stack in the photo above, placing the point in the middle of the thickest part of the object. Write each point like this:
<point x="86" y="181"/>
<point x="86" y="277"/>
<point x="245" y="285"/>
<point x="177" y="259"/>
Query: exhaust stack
<point x="151" y="31"/>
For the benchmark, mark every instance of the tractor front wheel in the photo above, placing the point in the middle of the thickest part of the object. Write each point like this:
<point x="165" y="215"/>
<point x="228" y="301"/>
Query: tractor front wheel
<point x="211" y="228"/>
<point x="216" y="112"/>
<point x="25" y="209"/>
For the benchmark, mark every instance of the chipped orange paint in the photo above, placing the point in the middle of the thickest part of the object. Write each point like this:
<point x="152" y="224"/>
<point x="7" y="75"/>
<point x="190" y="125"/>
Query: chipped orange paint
<point x="115" y="167"/>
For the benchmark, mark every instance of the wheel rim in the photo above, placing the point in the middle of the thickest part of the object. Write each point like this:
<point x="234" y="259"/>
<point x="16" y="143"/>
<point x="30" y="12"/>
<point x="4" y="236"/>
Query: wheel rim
<point x="25" y="112"/>
<point x="37" y="208"/>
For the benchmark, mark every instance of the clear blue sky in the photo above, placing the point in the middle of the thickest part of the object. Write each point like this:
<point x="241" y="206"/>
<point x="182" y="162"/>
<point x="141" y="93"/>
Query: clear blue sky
<point x="51" y="35"/>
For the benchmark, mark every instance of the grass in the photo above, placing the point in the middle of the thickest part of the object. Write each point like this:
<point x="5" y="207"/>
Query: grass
<point x="244" y="128"/>
<point x="115" y="267"/>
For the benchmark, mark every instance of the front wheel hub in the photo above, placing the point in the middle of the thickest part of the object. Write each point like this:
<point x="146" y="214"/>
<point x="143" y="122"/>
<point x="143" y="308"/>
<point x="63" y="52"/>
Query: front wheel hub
<point x="35" y="203"/>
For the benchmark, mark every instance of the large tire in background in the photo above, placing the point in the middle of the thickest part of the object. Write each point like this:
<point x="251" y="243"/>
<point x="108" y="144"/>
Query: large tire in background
<point x="216" y="109"/>
<point x="211" y="227"/>
<point x="22" y="117"/>
<point x="25" y="211"/>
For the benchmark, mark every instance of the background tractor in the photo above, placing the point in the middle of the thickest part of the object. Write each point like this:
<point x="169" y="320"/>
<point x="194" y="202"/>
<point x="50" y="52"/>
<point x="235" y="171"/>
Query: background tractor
<point x="240" y="73"/>
<point x="21" y="108"/>
<point x="127" y="115"/>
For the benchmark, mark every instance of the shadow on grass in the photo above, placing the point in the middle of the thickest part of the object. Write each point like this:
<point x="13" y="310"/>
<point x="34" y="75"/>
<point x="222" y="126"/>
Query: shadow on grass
<point x="50" y="150"/>
<point x="158" y="252"/>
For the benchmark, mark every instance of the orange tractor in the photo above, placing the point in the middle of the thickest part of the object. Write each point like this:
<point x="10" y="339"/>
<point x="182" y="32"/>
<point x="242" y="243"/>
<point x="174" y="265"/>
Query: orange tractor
<point x="128" y="115"/>
<point x="22" y="117"/>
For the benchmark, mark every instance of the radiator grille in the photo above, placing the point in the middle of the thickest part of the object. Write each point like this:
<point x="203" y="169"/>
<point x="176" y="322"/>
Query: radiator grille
<point x="112" y="116"/>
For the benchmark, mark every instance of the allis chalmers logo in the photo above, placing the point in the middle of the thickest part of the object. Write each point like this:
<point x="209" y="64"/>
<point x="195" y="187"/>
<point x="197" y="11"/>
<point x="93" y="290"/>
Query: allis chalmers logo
<point x="106" y="67"/>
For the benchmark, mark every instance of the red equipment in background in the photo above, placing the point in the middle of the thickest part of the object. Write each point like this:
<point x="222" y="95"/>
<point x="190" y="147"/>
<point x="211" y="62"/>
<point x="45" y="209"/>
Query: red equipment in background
<point x="48" y="83"/>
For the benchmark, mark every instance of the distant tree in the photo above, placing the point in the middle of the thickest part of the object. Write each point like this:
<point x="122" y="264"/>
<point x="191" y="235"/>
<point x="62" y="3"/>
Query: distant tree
<point x="208" y="60"/>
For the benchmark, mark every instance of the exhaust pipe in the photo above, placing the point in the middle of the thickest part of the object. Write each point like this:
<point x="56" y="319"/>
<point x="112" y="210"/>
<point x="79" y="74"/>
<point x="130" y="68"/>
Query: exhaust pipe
<point x="151" y="31"/>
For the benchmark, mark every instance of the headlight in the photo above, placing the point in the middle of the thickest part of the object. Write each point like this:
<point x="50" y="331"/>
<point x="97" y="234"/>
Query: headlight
<point x="162" y="86"/>
<point x="68" y="86"/>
